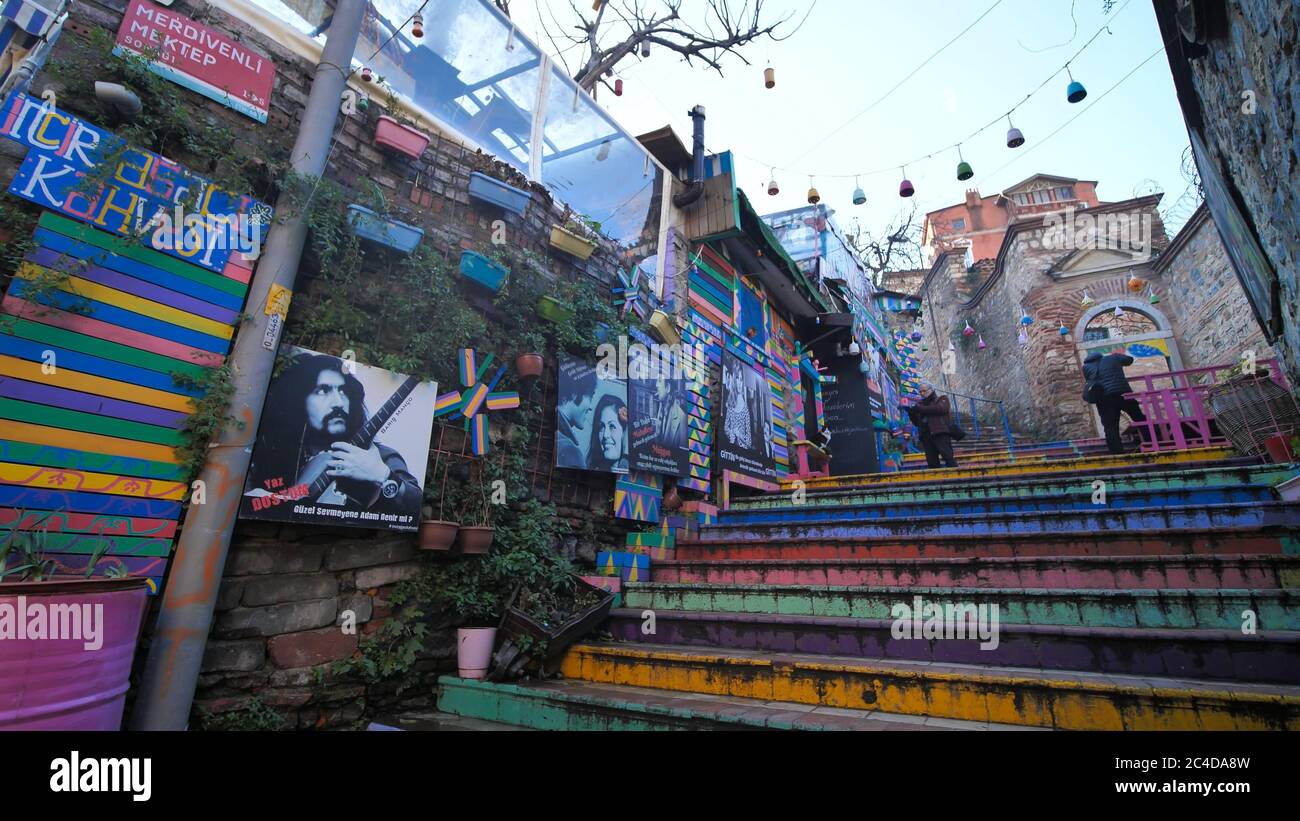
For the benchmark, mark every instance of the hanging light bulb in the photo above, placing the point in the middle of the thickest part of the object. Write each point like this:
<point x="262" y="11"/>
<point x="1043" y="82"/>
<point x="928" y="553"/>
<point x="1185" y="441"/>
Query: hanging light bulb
<point x="813" y="196"/>
<point x="645" y="48"/>
<point x="1152" y="296"/>
<point x="982" y="346"/>
<point x="1087" y="300"/>
<point x="964" y="171"/>
<point x="905" y="188"/>
<point x="1075" y="92"/>
<point x="769" y="77"/>
<point x="859" y="196"/>
<point x="772" y="188"/>
<point x="417" y="25"/>
<point x="969" y="330"/>
<point x="1014" y="138"/>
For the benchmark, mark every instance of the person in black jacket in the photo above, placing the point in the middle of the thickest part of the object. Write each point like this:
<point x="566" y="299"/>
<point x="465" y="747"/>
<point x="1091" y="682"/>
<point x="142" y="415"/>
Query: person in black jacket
<point x="1109" y="372"/>
<point x="930" y="416"/>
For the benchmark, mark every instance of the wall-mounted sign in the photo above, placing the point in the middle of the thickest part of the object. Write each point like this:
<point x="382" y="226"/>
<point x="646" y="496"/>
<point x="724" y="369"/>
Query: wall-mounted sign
<point x="199" y="58"/>
<point x="170" y="208"/>
<point x="341" y="443"/>
<point x="657" y="394"/>
<point x="747" y="443"/>
<point x="591" y="419"/>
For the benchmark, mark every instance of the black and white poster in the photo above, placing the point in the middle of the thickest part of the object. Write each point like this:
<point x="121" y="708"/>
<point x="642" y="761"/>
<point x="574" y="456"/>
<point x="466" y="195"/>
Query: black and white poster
<point x="657" y="391"/>
<point x="745" y="445"/>
<point x="340" y="443"/>
<point x="591" y="419"/>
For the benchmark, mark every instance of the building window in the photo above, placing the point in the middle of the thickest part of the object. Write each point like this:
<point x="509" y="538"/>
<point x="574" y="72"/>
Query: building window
<point x="958" y="224"/>
<point x="1096" y="334"/>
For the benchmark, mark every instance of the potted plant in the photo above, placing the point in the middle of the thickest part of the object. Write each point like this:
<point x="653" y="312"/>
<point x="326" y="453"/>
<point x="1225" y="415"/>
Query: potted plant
<point x="436" y="534"/>
<point x="490" y="182"/>
<point x="554" y="310"/>
<point x="577" y="237"/>
<point x="472" y="592"/>
<point x="476" y="539"/>
<point x="486" y="272"/>
<point x="370" y="224"/>
<point x="541" y="621"/>
<point x="76" y="682"/>
<point x="529" y="364"/>
<point x="397" y="132"/>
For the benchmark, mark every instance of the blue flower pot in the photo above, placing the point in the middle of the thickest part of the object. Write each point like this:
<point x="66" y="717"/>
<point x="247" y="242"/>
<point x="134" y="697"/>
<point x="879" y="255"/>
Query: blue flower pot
<point x="390" y="233"/>
<point x="482" y="270"/>
<point x="494" y="191"/>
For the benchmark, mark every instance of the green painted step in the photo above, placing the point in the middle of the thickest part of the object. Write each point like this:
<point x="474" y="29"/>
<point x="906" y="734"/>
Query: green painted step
<point x="1031" y="488"/>
<point x="585" y="706"/>
<point x="1172" y="608"/>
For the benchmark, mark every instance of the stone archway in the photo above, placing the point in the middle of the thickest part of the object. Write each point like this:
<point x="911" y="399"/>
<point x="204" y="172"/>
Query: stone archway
<point x="1160" y="335"/>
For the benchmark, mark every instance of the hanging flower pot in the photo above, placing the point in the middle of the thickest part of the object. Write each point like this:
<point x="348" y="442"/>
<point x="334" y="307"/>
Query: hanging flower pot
<point x="1015" y="139"/>
<point x="769" y="77"/>
<point x="475" y="540"/>
<point x="529" y="365"/>
<point x="964" y="171"/>
<point x="570" y="243"/>
<point x="661" y="322"/>
<point x="672" y="500"/>
<point x="553" y="310"/>
<point x="480" y="269"/>
<point x="417" y="25"/>
<point x="645" y="48"/>
<point x="437" y="534"/>
<point x="498" y="193"/>
<point x="863" y="367"/>
<point x="369" y="225"/>
<point x="403" y="139"/>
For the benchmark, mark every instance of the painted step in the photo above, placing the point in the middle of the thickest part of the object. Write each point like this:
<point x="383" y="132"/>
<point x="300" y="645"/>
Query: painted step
<point x="1004" y="695"/>
<point x="579" y="705"/>
<point x="1240" y="476"/>
<point x="1216" y="654"/>
<point x="1079" y="572"/>
<point x="1166" y="608"/>
<point x="1260" y="514"/>
<point x="1181" y="457"/>
<point x="1083" y="501"/>
<point x="1202" y="541"/>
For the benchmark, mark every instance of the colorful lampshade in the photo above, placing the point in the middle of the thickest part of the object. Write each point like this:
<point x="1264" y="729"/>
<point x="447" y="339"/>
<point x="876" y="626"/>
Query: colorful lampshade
<point x="1015" y="139"/>
<point x="982" y="346"/>
<point x="1087" y="301"/>
<point x="859" y="196"/>
<point x="916" y="336"/>
<point x="769" y="77"/>
<point x="417" y="25"/>
<point x="905" y="188"/>
<point x="863" y="367"/>
<point x="813" y="196"/>
<point x="1075" y="92"/>
<point x="1023" y="337"/>
<point x="1026" y="319"/>
<point x="964" y="171"/>
<point x="772" y="188"/>
<point x="969" y="331"/>
<point x="1135" y="283"/>
<point x="1152" y="296"/>
<point x="1063" y="331"/>
<point x="618" y="87"/>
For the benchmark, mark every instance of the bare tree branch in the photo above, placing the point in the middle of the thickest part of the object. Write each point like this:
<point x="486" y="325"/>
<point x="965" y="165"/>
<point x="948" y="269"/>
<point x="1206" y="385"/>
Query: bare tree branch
<point x="503" y="5"/>
<point x="897" y="248"/>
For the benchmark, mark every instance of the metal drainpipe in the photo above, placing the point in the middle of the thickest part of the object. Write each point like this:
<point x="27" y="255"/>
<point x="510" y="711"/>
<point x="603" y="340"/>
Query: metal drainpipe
<point x="172" y="670"/>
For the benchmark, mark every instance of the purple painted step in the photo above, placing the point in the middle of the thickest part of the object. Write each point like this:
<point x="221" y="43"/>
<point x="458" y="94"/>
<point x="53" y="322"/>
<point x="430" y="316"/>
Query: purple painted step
<point x="1203" y="541"/>
<point x="1211" y="654"/>
<point x="1075" y="572"/>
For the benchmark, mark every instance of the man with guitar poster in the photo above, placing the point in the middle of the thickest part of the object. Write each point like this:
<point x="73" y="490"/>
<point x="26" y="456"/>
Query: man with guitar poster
<point x="318" y="457"/>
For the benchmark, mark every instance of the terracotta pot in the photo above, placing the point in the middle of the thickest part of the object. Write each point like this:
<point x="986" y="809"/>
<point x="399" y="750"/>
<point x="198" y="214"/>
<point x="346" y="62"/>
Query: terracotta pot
<point x="474" y="650"/>
<point x="437" y="534"/>
<point x="529" y="364"/>
<point x="475" y="540"/>
<point x="672" y="499"/>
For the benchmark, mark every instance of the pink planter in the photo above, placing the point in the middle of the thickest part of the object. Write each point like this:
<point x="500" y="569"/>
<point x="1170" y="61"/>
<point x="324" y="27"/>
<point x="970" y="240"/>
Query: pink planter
<point x="474" y="650"/>
<point x="77" y="680"/>
<point x="389" y="133"/>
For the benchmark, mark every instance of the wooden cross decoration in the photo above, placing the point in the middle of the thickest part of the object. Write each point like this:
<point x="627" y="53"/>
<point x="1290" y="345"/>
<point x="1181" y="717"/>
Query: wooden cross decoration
<point x="475" y="398"/>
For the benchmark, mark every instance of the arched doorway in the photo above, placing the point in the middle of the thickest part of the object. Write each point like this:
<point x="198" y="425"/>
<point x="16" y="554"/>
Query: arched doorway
<point x="1139" y="329"/>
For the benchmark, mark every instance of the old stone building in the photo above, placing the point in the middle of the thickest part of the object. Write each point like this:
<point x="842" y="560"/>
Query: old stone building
<point x="1102" y="278"/>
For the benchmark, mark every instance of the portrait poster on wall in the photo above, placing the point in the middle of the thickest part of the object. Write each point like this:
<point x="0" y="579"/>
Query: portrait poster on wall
<point x="591" y="419"/>
<point x="340" y="443"/>
<point x="657" y="392"/>
<point x="746" y="443"/>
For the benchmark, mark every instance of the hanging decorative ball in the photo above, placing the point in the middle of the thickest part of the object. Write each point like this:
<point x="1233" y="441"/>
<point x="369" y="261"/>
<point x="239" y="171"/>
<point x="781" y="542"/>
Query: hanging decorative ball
<point x="916" y="336"/>
<point x="1026" y="319"/>
<point x="964" y="171"/>
<point x="769" y="77"/>
<point x="1152" y="296"/>
<point x="1087" y="301"/>
<point x="969" y="330"/>
<point x="417" y="25"/>
<point x="1023" y="338"/>
<point x="618" y="87"/>
<point x="859" y="196"/>
<point x="1135" y="284"/>
<point x="645" y="48"/>
<point x="1063" y="331"/>
<point x="982" y="346"/>
<point x="1075" y="92"/>
<point x="365" y="73"/>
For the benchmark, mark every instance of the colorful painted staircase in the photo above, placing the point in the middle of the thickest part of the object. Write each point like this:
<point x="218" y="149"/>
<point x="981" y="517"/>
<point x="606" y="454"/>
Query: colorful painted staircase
<point x="1119" y="613"/>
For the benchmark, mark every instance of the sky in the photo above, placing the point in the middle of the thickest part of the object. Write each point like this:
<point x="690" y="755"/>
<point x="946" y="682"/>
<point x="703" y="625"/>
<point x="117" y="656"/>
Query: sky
<point x="832" y="112"/>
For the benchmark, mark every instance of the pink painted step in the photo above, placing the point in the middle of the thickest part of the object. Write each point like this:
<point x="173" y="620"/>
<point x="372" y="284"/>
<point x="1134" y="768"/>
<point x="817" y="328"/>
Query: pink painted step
<point x="1076" y="572"/>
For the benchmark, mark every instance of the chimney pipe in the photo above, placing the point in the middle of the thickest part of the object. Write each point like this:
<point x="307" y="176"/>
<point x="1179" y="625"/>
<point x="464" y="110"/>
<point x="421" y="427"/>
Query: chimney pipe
<point x="696" y="189"/>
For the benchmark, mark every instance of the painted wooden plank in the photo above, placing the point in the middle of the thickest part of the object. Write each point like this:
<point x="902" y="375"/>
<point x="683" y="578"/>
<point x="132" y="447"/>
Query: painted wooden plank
<point x="88" y="543"/>
<point x="71" y="249"/>
<point x="41" y="394"/>
<point x="61" y="521"/>
<point x="135" y="251"/>
<point x="126" y="319"/>
<point x="703" y="287"/>
<point x="50" y="260"/>
<point x="725" y="283"/>
<point x="56" y="318"/>
<point x="22" y="411"/>
<point x="152" y="568"/>
<point x="93" y="365"/>
<point x="64" y="377"/>
<point x="31" y="498"/>
<point x="75" y="341"/>
<point x="27" y="453"/>
<point x="84" y="480"/>
<point x="86" y="289"/>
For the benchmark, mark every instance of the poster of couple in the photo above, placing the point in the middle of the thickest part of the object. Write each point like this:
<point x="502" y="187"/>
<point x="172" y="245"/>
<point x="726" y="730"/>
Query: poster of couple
<point x="591" y="419"/>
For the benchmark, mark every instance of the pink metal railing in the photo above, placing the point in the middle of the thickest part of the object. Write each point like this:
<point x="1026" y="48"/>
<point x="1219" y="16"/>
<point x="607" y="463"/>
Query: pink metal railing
<point x="1178" y="414"/>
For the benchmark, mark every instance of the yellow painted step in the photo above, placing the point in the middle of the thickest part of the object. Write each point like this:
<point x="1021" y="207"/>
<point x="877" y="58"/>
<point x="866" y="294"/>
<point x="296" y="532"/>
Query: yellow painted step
<point x="1019" y="469"/>
<point x="1035" y="698"/>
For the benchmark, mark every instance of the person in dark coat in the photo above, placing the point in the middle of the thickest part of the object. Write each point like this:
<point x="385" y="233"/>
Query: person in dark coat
<point x="1109" y="372"/>
<point x="930" y="416"/>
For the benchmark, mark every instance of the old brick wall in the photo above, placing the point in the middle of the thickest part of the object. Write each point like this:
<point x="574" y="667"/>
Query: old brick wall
<point x="1259" y="146"/>
<point x="286" y="588"/>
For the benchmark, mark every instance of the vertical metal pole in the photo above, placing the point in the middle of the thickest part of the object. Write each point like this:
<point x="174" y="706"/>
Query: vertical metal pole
<point x="974" y="418"/>
<point x="1006" y="426"/>
<point x="172" y="670"/>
